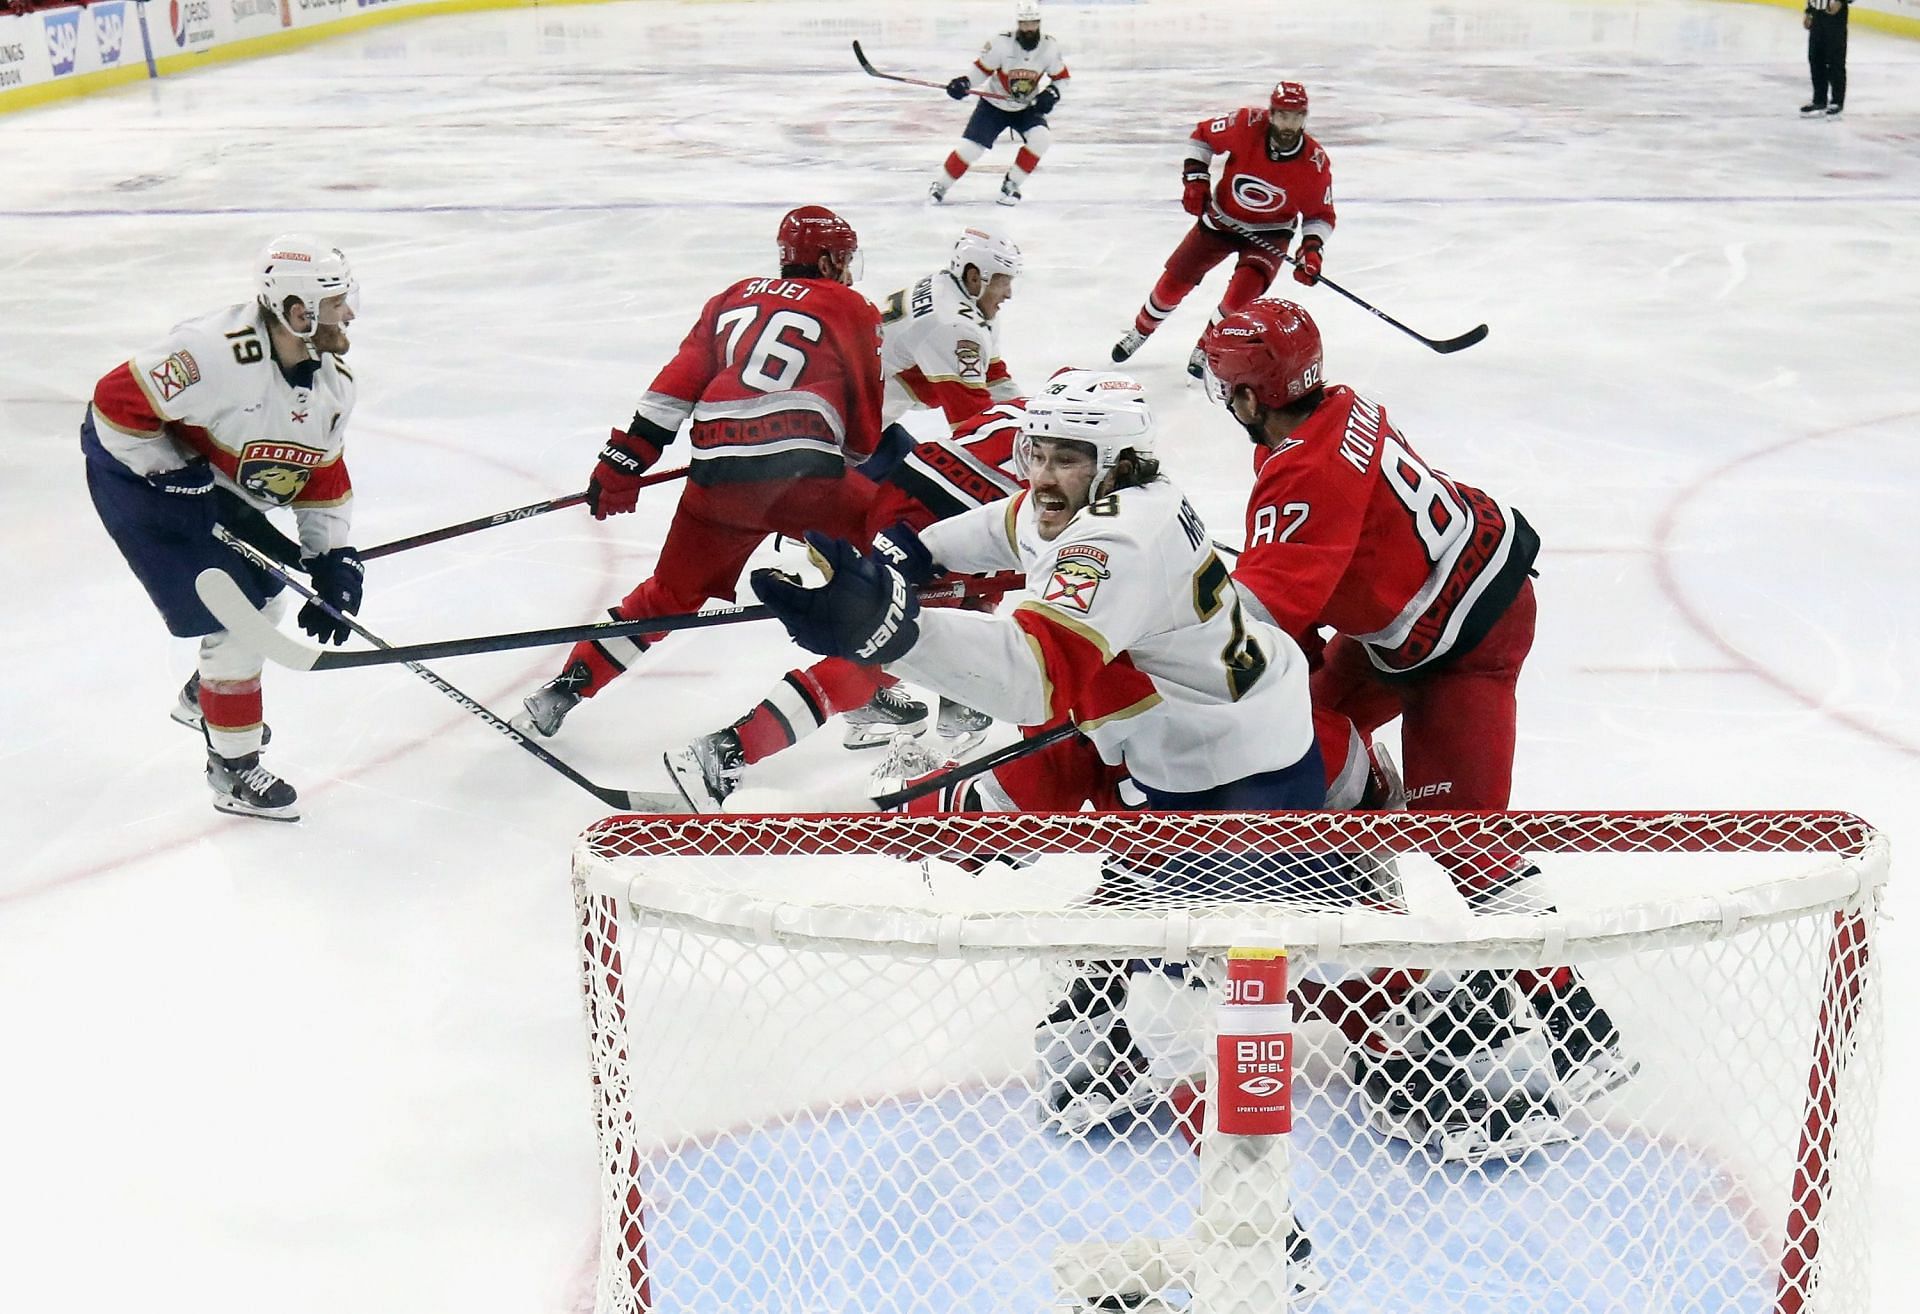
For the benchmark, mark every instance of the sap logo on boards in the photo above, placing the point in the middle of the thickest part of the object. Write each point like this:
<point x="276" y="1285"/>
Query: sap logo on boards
<point x="63" y="40"/>
<point x="109" y="29"/>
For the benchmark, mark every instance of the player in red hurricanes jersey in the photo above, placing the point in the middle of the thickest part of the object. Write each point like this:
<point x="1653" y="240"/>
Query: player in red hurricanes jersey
<point x="1275" y="179"/>
<point x="780" y="378"/>
<point x="919" y="484"/>
<point x="1427" y="583"/>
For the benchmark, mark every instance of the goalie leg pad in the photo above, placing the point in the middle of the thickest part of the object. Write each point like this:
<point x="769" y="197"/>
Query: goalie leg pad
<point x="1091" y="1074"/>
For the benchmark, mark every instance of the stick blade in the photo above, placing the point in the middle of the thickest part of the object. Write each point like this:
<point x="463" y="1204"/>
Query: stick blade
<point x="1472" y="336"/>
<point x="222" y="596"/>
<point x="861" y="55"/>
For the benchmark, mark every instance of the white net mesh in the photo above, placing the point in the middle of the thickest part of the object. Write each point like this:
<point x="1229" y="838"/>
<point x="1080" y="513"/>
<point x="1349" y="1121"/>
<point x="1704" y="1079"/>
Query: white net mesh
<point x="964" y="1063"/>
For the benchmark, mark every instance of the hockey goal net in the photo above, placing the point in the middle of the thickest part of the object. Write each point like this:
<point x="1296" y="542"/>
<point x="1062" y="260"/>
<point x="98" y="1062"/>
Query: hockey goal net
<point x="974" y="1063"/>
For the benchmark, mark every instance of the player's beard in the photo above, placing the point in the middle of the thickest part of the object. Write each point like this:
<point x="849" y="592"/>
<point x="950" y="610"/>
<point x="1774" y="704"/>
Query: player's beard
<point x="1028" y="41"/>
<point x="332" y="339"/>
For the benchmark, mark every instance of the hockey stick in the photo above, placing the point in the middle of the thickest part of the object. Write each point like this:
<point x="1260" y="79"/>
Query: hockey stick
<point x="230" y="607"/>
<point x="968" y="770"/>
<point x="1445" y="346"/>
<point x="631" y="800"/>
<point x="527" y="512"/>
<point x="867" y="64"/>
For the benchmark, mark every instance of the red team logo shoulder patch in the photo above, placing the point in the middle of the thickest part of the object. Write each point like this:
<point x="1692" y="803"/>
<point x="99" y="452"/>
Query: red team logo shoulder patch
<point x="175" y="374"/>
<point x="1077" y="572"/>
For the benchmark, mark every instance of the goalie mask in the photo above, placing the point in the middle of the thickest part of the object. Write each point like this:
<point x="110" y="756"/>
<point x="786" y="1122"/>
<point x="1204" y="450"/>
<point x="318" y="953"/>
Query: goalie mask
<point x="1108" y="412"/>
<point x="313" y="271"/>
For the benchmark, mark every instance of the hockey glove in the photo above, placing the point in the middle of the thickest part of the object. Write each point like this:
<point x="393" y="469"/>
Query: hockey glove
<point x="615" y="486"/>
<point x="864" y="612"/>
<point x="895" y="445"/>
<point x="1193" y="194"/>
<point x="1306" y="261"/>
<point x="959" y="87"/>
<point x="338" y="579"/>
<point x="900" y="547"/>
<point x="1046" y="100"/>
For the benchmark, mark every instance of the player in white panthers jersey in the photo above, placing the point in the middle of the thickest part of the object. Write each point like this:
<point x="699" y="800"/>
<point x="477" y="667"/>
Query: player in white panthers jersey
<point x="940" y="344"/>
<point x="251" y="401"/>
<point x="1135" y="629"/>
<point x="1008" y="73"/>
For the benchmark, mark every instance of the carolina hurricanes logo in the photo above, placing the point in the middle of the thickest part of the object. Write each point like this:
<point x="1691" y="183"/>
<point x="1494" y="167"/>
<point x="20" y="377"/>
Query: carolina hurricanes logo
<point x="1258" y="196"/>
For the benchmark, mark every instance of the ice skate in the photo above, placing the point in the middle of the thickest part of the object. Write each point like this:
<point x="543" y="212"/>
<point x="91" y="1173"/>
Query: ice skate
<point x="1009" y="192"/>
<point x="1091" y="1072"/>
<point x="708" y="769"/>
<point x="961" y="726"/>
<point x="937" y="191"/>
<point x="1452" y="1071"/>
<point x="1197" y="362"/>
<point x="186" y="710"/>
<point x="1583" y="1041"/>
<point x="245" y="788"/>
<point x="1130" y="341"/>
<point x="1809" y="110"/>
<point x="908" y="758"/>
<point x="888" y="713"/>
<point x="548" y="705"/>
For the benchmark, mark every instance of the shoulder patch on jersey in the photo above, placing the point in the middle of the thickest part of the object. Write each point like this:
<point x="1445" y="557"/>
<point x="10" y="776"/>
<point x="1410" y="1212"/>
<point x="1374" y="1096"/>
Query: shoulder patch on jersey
<point x="1078" y="570"/>
<point x="967" y="352"/>
<point x="175" y="374"/>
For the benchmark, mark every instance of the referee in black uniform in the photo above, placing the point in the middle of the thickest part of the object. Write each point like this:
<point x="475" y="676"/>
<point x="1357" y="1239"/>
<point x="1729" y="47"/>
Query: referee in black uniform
<point x="1826" y="24"/>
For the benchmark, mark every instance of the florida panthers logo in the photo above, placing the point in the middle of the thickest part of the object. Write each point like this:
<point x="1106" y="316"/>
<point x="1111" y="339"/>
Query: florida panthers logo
<point x="276" y="472"/>
<point x="1258" y="196"/>
<point x="1077" y="573"/>
<point x="1022" y="81"/>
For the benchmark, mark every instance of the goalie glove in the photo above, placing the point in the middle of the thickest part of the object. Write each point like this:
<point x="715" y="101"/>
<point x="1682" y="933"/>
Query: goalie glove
<point x="614" y="487"/>
<point x="865" y="612"/>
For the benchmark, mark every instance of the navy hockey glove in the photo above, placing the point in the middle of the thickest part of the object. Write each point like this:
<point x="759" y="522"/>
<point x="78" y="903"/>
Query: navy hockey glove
<point x="895" y="445"/>
<point x="900" y="547"/>
<point x="1046" y="100"/>
<point x="338" y="578"/>
<point x="615" y="486"/>
<point x="1306" y="261"/>
<point x="864" y="612"/>
<point x="959" y="87"/>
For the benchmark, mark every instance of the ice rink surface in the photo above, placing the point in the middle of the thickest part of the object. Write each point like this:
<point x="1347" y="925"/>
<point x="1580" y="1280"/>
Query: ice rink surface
<point x="340" y="1065"/>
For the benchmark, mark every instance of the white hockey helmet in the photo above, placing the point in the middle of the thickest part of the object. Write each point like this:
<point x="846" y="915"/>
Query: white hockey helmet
<point x="304" y="266"/>
<point x="1105" y="410"/>
<point x="1026" y="11"/>
<point x="986" y="252"/>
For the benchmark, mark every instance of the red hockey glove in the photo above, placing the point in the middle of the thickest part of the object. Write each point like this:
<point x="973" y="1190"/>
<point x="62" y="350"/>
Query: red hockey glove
<point x="1306" y="261"/>
<point x="615" y="486"/>
<point x="1193" y="194"/>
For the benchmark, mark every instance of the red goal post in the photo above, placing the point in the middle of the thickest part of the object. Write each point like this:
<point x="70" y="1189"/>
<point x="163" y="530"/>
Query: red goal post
<point x="825" y="1059"/>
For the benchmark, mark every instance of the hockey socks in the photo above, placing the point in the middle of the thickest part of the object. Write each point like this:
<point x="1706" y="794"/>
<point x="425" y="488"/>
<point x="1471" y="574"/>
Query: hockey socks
<point x="802" y="702"/>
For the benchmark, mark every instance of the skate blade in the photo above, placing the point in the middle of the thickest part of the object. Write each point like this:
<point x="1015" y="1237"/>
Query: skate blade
<point x="1538" y="1132"/>
<point x="221" y="803"/>
<point x="878" y="734"/>
<point x="684" y="770"/>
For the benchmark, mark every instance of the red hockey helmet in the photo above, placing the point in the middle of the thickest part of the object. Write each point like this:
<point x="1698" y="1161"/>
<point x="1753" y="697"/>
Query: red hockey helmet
<point x="1288" y="98"/>
<point x="1270" y="346"/>
<point x="812" y="231"/>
